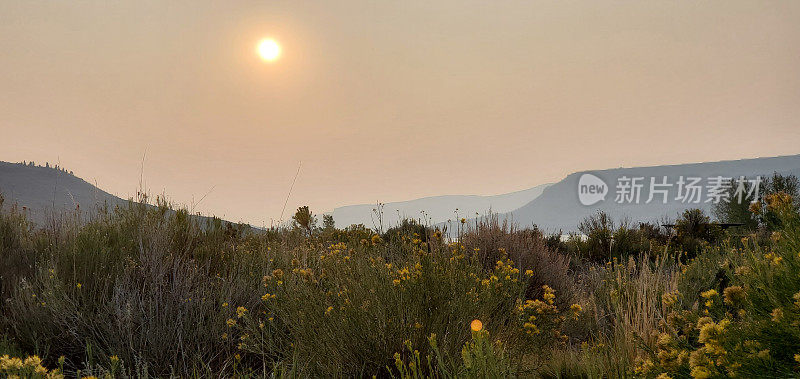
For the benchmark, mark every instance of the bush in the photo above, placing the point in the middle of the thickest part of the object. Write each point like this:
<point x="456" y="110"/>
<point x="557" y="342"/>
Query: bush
<point x="744" y="322"/>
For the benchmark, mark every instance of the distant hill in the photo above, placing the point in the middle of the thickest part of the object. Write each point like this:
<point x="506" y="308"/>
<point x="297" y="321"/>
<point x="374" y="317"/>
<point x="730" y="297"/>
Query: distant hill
<point x="436" y="209"/>
<point x="44" y="189"/>
<point x="559" y="208"/>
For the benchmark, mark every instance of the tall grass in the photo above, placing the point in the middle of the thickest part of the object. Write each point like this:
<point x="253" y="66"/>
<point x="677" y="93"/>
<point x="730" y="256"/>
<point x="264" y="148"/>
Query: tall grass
<point x="144" y="290"/>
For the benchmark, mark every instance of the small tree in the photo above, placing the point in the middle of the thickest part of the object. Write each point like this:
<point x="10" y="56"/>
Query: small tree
<point x="304" y="219"/>
<point x="599" y="231"/>
<point x="328" y="223"/>
<point x="737" y="208"/>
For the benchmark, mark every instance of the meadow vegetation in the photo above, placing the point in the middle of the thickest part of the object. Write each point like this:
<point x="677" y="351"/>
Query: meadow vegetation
<point x="147" y="291"/>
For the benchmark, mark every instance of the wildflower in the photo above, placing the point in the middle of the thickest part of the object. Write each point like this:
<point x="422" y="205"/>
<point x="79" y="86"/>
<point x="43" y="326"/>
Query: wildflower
<point x="549" y="294"/>
<point x="225" y="305"/>
<point x="644" y="367"/>
<point x="531" y="328"/>
<point x="700" y="372"/>
<point x="733" y="295"/>
<point x="9" y="363"/>
<point x="267" y="296"/>
<point x="777" y="315"/>
<point x="669" y="299"/>
<point x="240" y="311"/>
<point x="376" y="239"/>
<point x="709" y="294"/>
<point x="476" y="325"/>
<point x="797" y="358"/>
<point x="778" y="201"/>
<point x="576" y="309"/>
<point x="32" y="361"/>
<point x="231" y="322"/>
<point x="664" y="340"/>
<point x="79" y="285"/>
<point x="529" y="272"/>
<point x="463" y="220"/>
<point x="278" y="273"/>
<point x="329" y="310"/>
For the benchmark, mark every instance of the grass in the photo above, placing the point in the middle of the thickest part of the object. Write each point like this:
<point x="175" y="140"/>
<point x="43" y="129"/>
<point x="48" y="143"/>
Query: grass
<point x="143" y="291"/>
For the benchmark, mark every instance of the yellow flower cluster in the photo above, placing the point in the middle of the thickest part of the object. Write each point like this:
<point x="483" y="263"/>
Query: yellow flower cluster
<point x="506" y="270"/>
<point x="669" y="299"/>
<point x="773" y="258"/>
<point x="643" y="367"/>
<point x="240" y="312"/>
<point x="778" y="201"/>
<point x="734" y="295"/>
<point x="267" y="296"/>
<point x="576" y="309"/>
<point x="406" y="274"/>
<point x="30" y="367"/>
<point x="709" y="295"/>
<point x="777" y="315"/>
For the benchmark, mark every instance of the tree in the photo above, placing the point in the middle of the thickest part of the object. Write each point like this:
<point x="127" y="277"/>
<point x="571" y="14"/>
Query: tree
<point x="328" y="223"/>
<point x="304" y="219"/>
<point x="599" y="231"/>
<point x="737" y="209"/>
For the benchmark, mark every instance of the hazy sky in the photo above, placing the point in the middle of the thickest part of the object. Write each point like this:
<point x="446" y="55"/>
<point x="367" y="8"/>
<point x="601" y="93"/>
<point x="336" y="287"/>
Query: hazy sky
<point x="389" y="100"/>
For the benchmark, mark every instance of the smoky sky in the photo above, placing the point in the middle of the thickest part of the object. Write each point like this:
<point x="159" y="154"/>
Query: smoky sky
<point x="388" y="100"/>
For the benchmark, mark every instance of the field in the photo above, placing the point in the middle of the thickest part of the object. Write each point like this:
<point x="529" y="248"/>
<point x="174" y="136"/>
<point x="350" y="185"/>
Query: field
<point x="144" y="291"/>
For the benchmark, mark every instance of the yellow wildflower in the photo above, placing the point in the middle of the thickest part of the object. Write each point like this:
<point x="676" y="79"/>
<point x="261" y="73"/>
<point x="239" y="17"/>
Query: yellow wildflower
<point x="777" y="315"/>
<point x="32" y="361"/>
<point x="709" y="294"/>
<point x="734" y="295"/>
<point x="700" y="372"/>
<point x="240" y="311"/>
<point x="669" y="299"/>
<point x="575" y="309"/>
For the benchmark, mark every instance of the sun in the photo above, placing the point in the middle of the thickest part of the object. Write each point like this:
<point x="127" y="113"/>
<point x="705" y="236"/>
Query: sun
<point x="269" y="50"/>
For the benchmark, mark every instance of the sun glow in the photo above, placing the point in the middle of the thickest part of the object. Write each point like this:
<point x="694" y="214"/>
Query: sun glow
<point x="269" y="50"/>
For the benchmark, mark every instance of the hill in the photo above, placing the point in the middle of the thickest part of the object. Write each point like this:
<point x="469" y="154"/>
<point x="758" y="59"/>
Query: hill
<point x="559" y="206"/>
<point x="436" y="208"/>
<point x="42" y="190"/>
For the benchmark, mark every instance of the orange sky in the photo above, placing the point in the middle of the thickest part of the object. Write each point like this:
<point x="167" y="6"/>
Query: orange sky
<point x="389" y="100"/>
